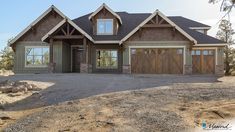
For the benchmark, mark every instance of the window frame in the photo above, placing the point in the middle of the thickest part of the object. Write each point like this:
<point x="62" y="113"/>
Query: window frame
<point x="105" y="33"/>
<point x="108" y="68"/>
<point x="35" y="66"/>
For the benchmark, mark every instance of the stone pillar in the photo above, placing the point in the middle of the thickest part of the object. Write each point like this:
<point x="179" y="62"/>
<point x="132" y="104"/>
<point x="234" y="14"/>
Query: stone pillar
<point x="84" y="68"/>
<point x="219" y="70"/>
<point x="188" y="69"/>
<point x="126" y="69"/>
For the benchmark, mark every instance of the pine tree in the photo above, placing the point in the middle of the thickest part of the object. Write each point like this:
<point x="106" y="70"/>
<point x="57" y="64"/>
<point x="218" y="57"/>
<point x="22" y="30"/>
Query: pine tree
<point x="225" y="34"/>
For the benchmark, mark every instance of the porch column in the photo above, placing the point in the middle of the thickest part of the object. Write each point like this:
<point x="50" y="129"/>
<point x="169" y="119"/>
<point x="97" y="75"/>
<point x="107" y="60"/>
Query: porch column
<point x="51" y="64"/>
<point x="85" y="50"/>
<point x="84" y="63"/>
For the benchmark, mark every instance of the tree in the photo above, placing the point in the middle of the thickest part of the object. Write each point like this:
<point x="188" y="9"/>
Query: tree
<point x="226" y="33"/>
<point x="226" y="5"/>
<point x="7" y="58"/>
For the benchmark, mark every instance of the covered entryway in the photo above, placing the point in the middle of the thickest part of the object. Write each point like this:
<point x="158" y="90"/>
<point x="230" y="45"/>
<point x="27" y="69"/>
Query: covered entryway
<point x="157" y="60"/>
<point x="68" y="47"/>
<point x="203" y="61"/>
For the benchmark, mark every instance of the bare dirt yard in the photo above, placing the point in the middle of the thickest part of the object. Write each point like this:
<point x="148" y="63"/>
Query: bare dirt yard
<point x="118" y="103"/>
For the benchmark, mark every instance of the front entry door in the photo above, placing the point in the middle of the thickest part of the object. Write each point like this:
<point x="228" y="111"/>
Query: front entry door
<point x="76" y="59"/>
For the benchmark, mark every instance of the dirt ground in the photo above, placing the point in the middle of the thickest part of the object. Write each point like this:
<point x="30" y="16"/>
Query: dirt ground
<point x="173" y="107"/>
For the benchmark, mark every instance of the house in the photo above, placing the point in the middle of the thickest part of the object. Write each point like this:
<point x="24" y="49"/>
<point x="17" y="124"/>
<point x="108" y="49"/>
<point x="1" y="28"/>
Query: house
<point x="105" y="41"/>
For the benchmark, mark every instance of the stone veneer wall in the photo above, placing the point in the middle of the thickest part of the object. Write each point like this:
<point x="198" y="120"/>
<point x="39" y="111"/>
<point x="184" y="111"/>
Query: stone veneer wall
<point x="126" y="69"/>
<point x="188" y="69"/>
<point x="84" y="68"/>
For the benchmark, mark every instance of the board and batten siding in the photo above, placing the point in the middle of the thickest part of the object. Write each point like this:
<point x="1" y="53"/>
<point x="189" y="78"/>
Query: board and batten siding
<point x="19" y="61"/>
<point x="62" y="57"/>
<point x="220" y="56"/>
<point x="57" y="56"/>
<point x="66" y="57"/>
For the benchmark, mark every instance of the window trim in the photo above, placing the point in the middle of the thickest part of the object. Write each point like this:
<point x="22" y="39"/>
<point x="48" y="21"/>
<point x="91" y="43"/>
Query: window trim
<point x="106" y="68"/>
<point x="97" y="33"/>
<point x="34" y="66"/>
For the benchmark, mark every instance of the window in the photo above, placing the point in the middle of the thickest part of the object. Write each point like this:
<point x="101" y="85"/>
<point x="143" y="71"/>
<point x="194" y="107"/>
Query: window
<point x="105" y="26"/>
<point x="205" y="52"/>
<point x="198" y="52"/>
<point x="36" y="56"/>
<point x="107" y="59"/>
<point x="193" y="52"/>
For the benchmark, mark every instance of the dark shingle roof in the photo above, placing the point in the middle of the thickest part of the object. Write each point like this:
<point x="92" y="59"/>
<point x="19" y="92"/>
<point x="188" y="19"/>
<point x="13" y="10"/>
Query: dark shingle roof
<point x="185" y="24"/>
<point x="130" y="21"/>
<point x="182" y="21"/>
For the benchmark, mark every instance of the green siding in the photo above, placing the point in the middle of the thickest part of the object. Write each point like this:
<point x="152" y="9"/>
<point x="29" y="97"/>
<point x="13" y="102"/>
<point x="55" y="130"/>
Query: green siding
<point x="57" y="56"/>
<point x="61" y="57"/>
<point x="19" y="61"/>
<point x="220" y="56"/>
<point x="66" y="61"/>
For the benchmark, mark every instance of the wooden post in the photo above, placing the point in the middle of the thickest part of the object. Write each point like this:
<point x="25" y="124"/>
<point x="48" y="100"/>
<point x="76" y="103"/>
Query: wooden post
<point x="51" y="65"/>
<point x="84" y="49"/>
<point x="87" y="51"/>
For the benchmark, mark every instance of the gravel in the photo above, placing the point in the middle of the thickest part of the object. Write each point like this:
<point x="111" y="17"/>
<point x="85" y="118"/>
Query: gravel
<point x="154" y="105"/>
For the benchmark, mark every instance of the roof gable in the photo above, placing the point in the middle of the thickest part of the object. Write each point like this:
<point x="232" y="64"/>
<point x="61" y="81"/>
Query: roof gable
<point x="52" y="8"/>
<point x="104" y="6"/>
<point x="157" y="12"/>
<point x="72" y="24"/>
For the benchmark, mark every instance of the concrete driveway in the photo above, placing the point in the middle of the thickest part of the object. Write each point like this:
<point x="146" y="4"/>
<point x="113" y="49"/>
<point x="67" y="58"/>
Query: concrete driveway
<point x="76" y="86"/>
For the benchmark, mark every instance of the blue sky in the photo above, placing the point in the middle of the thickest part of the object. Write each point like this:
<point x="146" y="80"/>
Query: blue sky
<point x="17" y="15"/>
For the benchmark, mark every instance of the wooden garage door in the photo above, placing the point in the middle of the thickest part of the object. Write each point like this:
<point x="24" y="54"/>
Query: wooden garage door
<point x="203" y="61"/>
<point x="157" y="61"/>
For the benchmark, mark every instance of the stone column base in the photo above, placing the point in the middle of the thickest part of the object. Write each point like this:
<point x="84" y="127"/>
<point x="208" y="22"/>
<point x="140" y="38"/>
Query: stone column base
<point x="89" y="68"/>
<point x="51" y="67"/>
<point x="126" y="69"/>
<point x="219" y="70"/>
<point x="84" y="68"/>
<point x="188" y="69"/>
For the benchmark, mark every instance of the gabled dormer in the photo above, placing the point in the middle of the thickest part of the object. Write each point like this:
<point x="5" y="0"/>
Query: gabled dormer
<point x="105" y="21"/>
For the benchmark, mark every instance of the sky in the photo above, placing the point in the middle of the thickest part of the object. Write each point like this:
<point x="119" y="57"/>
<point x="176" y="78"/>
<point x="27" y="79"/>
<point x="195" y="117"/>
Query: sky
<point x="16" y="15"/>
